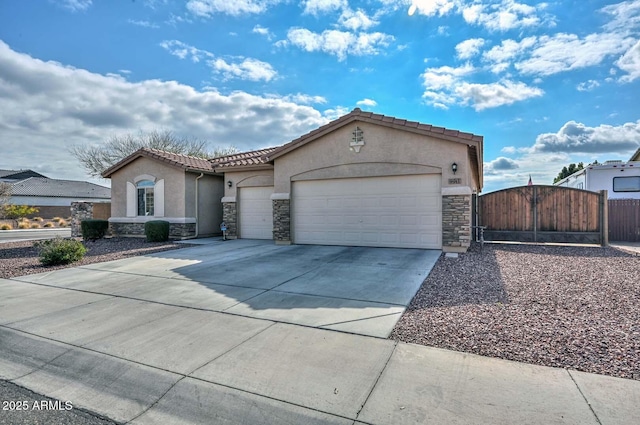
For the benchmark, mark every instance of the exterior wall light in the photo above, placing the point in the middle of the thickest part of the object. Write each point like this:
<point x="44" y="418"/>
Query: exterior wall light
<point x="454" y="167"/>
<point x="229" y="183"/>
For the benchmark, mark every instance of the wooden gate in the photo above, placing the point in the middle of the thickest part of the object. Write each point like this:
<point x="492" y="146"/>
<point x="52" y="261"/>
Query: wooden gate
<point x="624" y="220"/>
<point x="544" y="214"/>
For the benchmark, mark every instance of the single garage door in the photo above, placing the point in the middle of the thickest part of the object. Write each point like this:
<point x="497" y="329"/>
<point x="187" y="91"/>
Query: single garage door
<point x="396" y="211"/>
<point x="255" y="213"/>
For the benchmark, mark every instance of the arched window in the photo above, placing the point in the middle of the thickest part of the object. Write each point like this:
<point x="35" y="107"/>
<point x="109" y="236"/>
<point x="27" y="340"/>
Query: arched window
<point x="145" y="197"/>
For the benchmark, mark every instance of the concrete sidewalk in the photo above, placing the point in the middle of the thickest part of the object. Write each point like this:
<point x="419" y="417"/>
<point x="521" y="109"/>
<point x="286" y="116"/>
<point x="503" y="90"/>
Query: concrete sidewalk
<point x="158" y="339"/>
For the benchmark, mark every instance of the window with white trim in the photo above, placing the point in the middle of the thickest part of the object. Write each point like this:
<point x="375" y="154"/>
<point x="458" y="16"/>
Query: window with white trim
<point x="626" y="184"/>
<point x="145" y="189"/>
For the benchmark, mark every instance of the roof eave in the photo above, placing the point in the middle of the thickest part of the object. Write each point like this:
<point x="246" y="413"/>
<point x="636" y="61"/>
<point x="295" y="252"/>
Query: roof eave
<point x="251" y="167"/>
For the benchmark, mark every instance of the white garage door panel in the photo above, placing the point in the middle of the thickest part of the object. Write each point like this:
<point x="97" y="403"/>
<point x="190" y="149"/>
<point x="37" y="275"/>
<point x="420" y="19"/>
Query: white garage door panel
<point x="397" y="211"/>
<point x="255" y="212"/>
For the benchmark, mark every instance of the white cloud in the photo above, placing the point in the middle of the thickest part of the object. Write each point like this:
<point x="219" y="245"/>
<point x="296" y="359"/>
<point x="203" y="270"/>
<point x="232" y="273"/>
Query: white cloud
<point x="630" y="63"/>
<point x="503" y="16"/>
<point x="337" y="43"/>
<point x="501" y="56"/>
<point x="367" y="102"/>
<point x="445" y="86"/>
<point x="75" y="5"/>
<point x="316" y="7"/>
<point x="356" y="20"/>
<point x="431" y="7"/>
<point x="301" y="98"/>
<point x="565" y="52"/>
<point x="499" y="165"/>
<point x="246" y="69"/>
<point x="587" y="85"/>
<point x="208" y="8"/>
<point x="258" y="29"/>
<point x="144" y="24"/>
<point x="626" y="15"/>
<point x="469" y="48"/>
<point x="183" y="50"/>
<point x="492" y="95"/>
<point x="575" y="137"/>
<point x="337" y="112"/>
<point x="50" y="107"/>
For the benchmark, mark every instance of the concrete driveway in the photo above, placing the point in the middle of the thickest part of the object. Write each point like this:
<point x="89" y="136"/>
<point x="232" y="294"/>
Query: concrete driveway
<point x="196" y="336"/>
<point x="357" y="290"/>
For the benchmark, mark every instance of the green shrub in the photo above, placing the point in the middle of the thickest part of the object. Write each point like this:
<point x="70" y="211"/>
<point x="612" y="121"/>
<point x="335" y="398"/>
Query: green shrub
<point x="18" y="211"/>
<point x="156" y="230"/>
<point x="60" y="251"/>
<point x="93" y="229"/>
<point x="5" y="227"/>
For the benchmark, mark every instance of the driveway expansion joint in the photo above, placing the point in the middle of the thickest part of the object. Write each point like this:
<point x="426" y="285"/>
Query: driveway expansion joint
<point x="584" y="397"/>
<point x="373" y="387"/>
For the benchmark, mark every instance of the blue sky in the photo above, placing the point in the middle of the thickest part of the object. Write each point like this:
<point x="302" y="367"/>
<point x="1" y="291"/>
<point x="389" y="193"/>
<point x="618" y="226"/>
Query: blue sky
<point x="546" y="84"/>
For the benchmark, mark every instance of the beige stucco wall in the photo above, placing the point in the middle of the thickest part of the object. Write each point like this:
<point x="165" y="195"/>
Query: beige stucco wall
<point x="210" y="191"/>
<point x="246" y="179"/>
<point x="174" y="185"/>
<point x="387" y="151"/>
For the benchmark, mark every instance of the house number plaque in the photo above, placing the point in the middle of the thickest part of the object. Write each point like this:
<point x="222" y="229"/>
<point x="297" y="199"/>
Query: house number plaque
<point x="455" y="181"/>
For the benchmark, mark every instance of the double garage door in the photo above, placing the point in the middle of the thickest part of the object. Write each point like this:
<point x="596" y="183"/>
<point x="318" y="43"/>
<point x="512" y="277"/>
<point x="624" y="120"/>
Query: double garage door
<point x="395" y="211"/>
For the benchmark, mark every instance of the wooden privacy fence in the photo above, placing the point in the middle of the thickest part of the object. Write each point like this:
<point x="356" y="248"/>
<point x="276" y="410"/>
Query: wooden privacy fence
<point x="624" y="220"/>
<point x="544" y="214"/>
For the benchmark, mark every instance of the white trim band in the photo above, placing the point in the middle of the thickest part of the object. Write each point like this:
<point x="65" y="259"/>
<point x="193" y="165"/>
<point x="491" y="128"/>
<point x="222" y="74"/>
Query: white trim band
<point x="459" y="190"/>
<point x="280" y="196"/>
<point x="227" y="199"/>
<point x="144" y="219"/>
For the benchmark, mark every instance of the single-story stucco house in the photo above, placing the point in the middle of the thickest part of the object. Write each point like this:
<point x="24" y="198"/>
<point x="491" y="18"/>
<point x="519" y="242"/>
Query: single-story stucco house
<point x="363" y="179"/>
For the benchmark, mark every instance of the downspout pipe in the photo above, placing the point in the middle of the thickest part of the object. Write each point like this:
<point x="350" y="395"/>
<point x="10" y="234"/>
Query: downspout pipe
<point x="197" y="204"/>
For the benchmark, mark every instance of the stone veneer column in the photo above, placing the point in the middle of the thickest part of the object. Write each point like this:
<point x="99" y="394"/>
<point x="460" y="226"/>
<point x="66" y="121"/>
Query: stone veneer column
<point x="281" y="218"/>
<point x="456" y="223"/>
<point x="80" y="211"/>
<point x="230" y="217"/>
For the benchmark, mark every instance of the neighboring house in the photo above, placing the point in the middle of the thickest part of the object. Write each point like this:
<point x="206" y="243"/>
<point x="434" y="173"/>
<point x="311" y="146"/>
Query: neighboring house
<point x="362" y="180"/>
<point x="52" y="197"/>
<point x="620" y="179"/>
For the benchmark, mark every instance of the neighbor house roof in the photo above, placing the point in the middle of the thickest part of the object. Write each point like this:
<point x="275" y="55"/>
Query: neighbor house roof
<point x="185" y="162"/>
<point x="38" y="186"/>
<point x="473" y="141"/>
<point x="19" y="174"/>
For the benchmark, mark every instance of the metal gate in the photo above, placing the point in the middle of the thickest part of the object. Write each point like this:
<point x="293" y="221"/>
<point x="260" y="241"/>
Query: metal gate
<point x="544" y="214"/>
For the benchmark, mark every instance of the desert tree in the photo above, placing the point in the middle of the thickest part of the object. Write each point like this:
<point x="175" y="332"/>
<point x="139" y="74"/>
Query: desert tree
<point x="96" y="159"/>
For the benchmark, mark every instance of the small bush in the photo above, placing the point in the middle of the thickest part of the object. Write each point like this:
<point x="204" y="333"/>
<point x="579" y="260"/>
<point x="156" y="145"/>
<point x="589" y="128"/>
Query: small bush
<point x="93" y="229"/>
<point x="60" y="251"/>
<point x="48" y="224"/>
<point x="62" y="223"/>
<point x="35" y="226"/>
<point x="37" y="219"/>
<point x="156" y="231"/>
<point x="56" y="219"/>
<point x="18" y="211"/>
<point x="24" y="225"/>
<point x="5" y="227"/>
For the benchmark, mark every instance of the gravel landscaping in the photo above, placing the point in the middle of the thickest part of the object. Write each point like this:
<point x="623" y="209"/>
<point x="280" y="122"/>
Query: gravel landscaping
<point x="21" y="258"/>
<point x="570" y="307"/>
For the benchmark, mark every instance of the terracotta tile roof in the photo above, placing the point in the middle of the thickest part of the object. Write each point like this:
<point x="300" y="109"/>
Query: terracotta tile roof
<point x="257" y="157"/>
<point x="358" y="115"/>
<point x="179" y="160"/>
